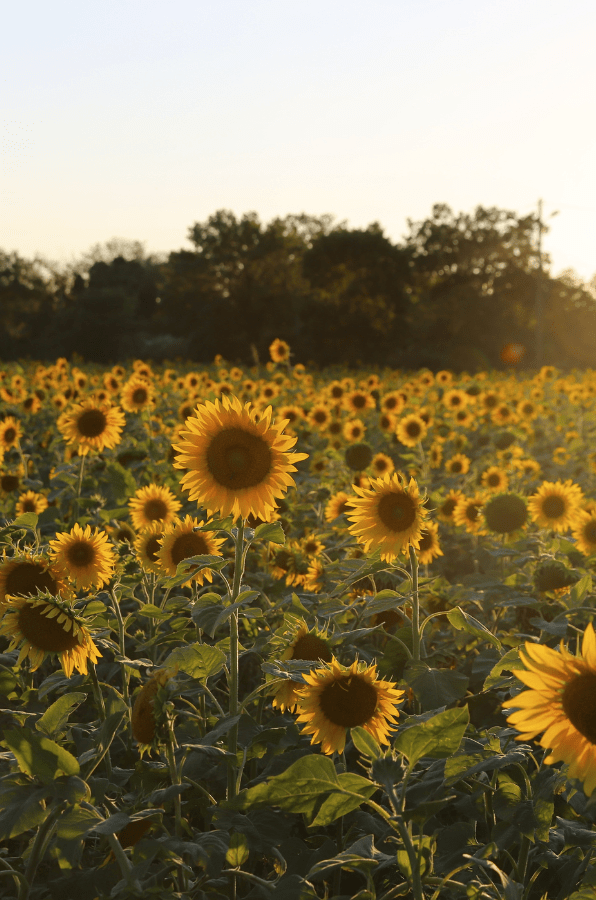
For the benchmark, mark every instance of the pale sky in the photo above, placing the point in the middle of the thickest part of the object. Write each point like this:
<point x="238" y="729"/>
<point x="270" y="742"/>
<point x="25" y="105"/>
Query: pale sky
<point x="136" y="119"/>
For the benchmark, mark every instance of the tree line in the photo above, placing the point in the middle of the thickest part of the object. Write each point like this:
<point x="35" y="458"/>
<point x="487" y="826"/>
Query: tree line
<point x="451" y="294"/>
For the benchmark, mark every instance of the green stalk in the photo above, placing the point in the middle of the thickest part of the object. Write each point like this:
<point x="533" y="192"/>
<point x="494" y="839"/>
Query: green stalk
<point x="415" y="607"/>
<point x="42" y="839"/>
<point x="124" y="863"/>
<point x="233" y="677"/>
<point x="123" y="671"/>
<point x="101" y="711"/>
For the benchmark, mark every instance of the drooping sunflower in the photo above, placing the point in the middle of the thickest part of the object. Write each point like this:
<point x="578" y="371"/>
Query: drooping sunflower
<point x="336" y="698"/>
<point x="561" y="703"/>
<point x="411" y="430"/>
<point x="92" y="425"/>
<point x="237" y="461"/>
<point x="181" y="541"/>
<point x="299" y="642"/>
<point x="429" y="547"/>
<point x="86" y="557"/>
<point x="388" y="515"/>
<point x="143" y="719"/>
<point x="505" y="513"/>
<point x="137" y="394"/>
<point x="147" y="546"/>
<point x="556" y="505"/>
<point x="358" y="456"/>
<point x="10" y="433"/>
<point x="26" y="575"/>
<point x="153" y="504"/>
<point x="584" y="533"/>
<point x="45" y="625"/>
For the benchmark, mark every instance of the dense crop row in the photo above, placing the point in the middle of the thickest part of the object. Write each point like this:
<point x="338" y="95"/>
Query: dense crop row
<point x="263" y="633"/>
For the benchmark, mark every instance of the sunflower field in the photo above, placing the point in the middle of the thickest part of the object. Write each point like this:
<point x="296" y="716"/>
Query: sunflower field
<point x="277" y="633"/>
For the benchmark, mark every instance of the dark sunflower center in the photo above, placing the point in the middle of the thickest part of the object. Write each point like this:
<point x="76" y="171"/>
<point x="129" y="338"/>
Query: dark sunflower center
<point x="309" y="646"/>
<point x="527" y="409"/>
<point x="191" y="544"/>
<point x="27" y="578"/>
<point x="589" y="532"/>
<point x="455" y="401"/>
<point x="335" y="428"/>
<point x="155" y="509"/>
<point x="139" y="395"/>
<point x="9" y="483"/>
<point x="553" y="507"/>
<point x="494" y="479"/>
<point x="348" y="701"/>
<point x="238" y="459"/>
<point x="80" y="554"/>
<point x="311" y="547"/>
<point x="44" y="633"/>
<point x="506" y="513"/>
<point x="337" y="392"/>
<point x="320" y="416"/>
<point x="579" y="704"/>
<point x="9" y="435"/>
<point x="92" y="423"/>
<point x="397" y="511"/>
<point x="490" y="401"/>
<point x="472" y="512"/>
<point x="28" y="506"/>
<point x="380" y="465"/>
<point x="413" y="429"/>
<point x="153" y="546"/>
<point x="390" y="403"/>
<point x="426" y="541"/>
<point x="359" y="401"/>
<point x="283" y="560"/>
<point x="456" y="466"/>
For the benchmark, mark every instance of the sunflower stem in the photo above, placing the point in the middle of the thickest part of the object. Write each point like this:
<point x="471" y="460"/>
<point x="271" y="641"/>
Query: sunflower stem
<point x="415" y="607"/>
<point x="125" y="692"/>
<point x="233" y="679"/>
<point x="80" y="484"/>
<point x="101" y="710"/>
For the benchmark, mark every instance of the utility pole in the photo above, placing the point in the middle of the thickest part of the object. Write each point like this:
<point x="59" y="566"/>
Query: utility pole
<point x="539" y="295"/>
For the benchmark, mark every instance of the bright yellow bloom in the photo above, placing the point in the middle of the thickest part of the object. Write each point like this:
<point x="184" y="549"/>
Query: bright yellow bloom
<point x="92" y="425"/>
<point x="86" y="557"/>
<point x="388" y="516"/>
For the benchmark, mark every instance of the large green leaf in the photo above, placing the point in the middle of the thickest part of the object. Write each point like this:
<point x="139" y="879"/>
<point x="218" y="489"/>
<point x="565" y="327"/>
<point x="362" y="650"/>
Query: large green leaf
<point x="305" y="787"/>
<point x="435" y="688"/>
<point x="197" y="660"/>
<point x="56" y="716"/>
<point x="21" y="807"/>
<point x="270" y="531"/>
<point x="464" y="622"/>
<point x="438" y="737"/>
<point x="38" y="756"/>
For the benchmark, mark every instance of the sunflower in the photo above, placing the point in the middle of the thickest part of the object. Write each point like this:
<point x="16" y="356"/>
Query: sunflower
<point x="31" y="502"/>
<point x="358" y="457"/>
<point x="447" y="506"/>
<point x="279" y="351"/>
<point x="319" y="416"/>
<point x="584" y="532"/>
<point x="294" y="414"/>
<point x="152" y="504"/>
<point x="287" y="563"/>
<point x="143" y="719"/>
<point x="137" y="394"/>
<point x="299" y="643"/>
<point x="505" y="513"/>
<point x="494" y="479"/>
<point x="353" y="430"/>
<point x="458" y="464"/>
<point x="237" y="461"/>
<point x="336" y="698"/>
<point x="467" y="513"/>
<point x="45" y="625"/>
<point x="444" y="377"/>
<point x="429" y="547"/>
<point x="382" y="465"/>
<point x="311" y="546"/>
<point x="392" y="403"/>
<point x="92" y="425"/>
<point x="25" y="576"/>
<point x="86" y="557"/>
<point x="387" y="423"/>
<point x="10" y="433"/>
<point x="411" y="430"/>
<point x="556" y="505"/>
<point x="435" y="455"/>
<point x="181" y="541"/>
<point x="147" y="546"/>
<point x="388" y="515"/>
<point x="455" y="399"/>
<point x="357" y="401"/>
<point x="337" y="505"/>
<point x="561" y="703"/>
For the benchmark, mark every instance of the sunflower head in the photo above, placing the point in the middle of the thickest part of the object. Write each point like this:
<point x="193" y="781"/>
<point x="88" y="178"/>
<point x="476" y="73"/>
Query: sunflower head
<point x="358" y="456"/>
<point x="151" y="505"/>
<point x="336" y="698"/>
<point x="147" y="714"/>
<point x="92" y="426"/>
<point x="236" y="460"/>
<point x="26" y="575"/>
<point x="388" y="516"/>
<point x="184" y="539"/>
<point x="505" y="513"/>
<point x="85" y="557"/>
<point x="298" y="642"/>
<point x="45" y="625"/>
<point x="556" y="505"/>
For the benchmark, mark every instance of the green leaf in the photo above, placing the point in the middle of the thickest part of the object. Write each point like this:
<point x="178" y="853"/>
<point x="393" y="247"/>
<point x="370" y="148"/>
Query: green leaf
<point x="56" y="716"/>
<point x="153" y="612"/>
<point x="200" y="661"/>
<point x="355" y="789"/>
<point x="577" y="593"/>
<point x="219" y="525"/>
<point x="20" y="806"/>
<point x="39" y="757"/>
<point x="464" y="622"/>
<point x="238" y="850"/>
<point x="507" y="663"/>
<point x="438" y="737"/>
<point x="26" y="520"/>
<point x="435" y="687"/>
<point x="205" y="612"/>
<point x="304" y="788"/>
<point x="270" y="531"/>
<point x="365" y="743"/>
<point x="423" y="845"/>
